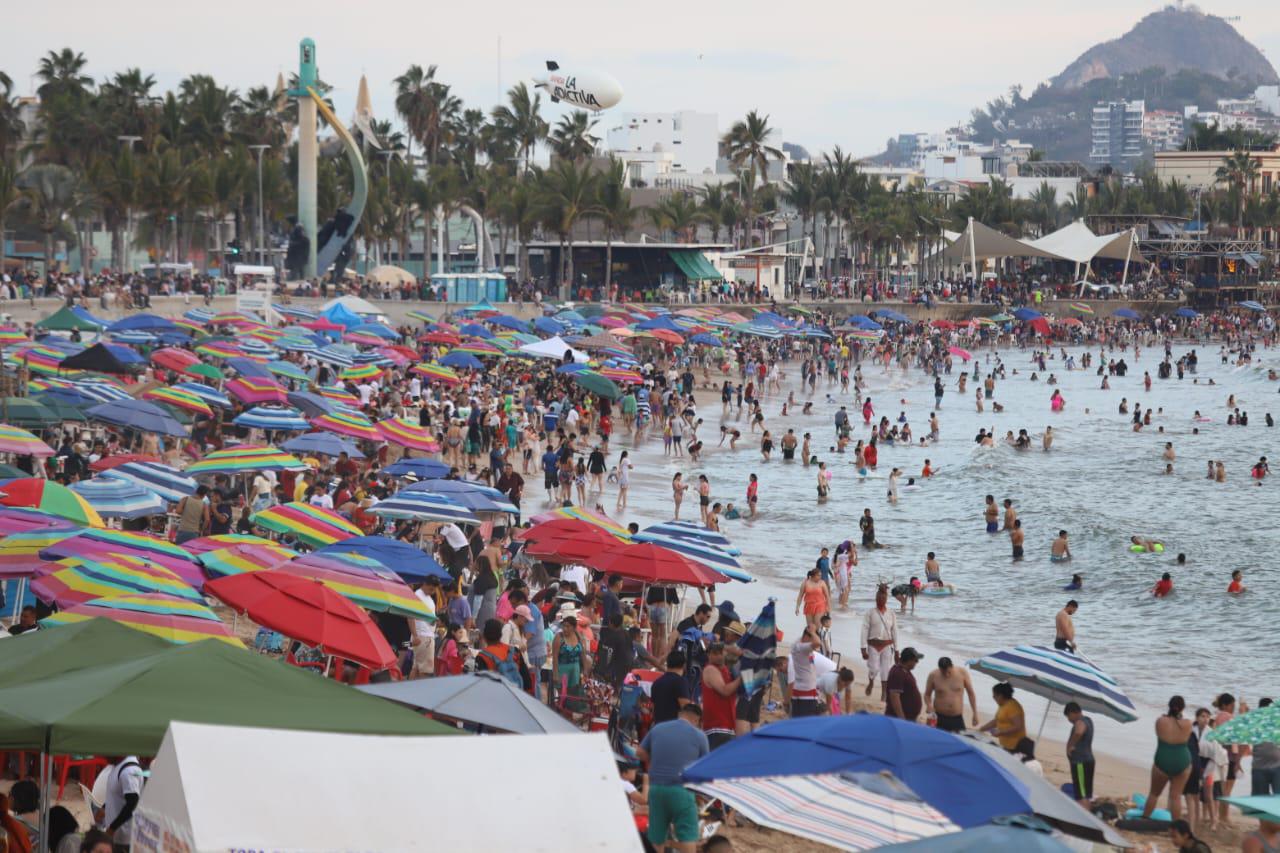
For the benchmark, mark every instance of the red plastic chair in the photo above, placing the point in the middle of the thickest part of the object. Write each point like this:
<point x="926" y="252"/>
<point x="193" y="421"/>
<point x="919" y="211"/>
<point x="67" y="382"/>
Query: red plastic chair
<point x="89" y="767"/>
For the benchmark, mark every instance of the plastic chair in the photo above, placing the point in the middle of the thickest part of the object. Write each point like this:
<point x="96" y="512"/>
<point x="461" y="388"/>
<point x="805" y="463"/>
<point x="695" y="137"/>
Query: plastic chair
<point x="88" y="766"/>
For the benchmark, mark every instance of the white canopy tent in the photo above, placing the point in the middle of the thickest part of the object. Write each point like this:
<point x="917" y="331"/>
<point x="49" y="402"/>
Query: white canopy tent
<point x="1076" y="242"/>
<point x="354" y="304"/>
<point x="554" y="347"/>
<point x="217" y="788"/>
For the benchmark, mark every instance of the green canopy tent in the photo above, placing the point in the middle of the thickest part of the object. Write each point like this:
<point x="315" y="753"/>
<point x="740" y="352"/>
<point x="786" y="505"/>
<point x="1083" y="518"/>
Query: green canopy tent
<point x="124" y="708"/>
<point x="39" y="655"/>
<point x="66" y="320"/>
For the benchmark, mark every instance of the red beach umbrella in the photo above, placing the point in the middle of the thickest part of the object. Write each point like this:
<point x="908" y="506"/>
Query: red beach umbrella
<point x="308" y="611"/>
<point x="652" y="563"/>
<point x="568" y="540"/>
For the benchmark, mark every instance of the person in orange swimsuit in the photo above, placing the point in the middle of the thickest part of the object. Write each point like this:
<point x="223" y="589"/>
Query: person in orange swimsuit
<point x="815" y="596"/>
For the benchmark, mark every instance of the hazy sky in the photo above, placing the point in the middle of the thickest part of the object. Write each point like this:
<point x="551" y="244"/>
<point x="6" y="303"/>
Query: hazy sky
<point x="826" y="72"/>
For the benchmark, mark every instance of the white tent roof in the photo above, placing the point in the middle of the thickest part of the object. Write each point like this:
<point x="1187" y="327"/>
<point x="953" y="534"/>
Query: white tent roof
<point x="553" y="347"/>
<point x="1076" y="242"/>
<point x="354" y="304"/>
<point x="217" y="788"/>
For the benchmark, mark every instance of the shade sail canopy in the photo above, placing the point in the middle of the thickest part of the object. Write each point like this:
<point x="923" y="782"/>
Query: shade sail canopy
<point x="201" y="797"/>
<point x="124" y="708"/>
<point x="1075" y="242"/>
<point x="982" y="241"/>
<point x="485" y="698"/>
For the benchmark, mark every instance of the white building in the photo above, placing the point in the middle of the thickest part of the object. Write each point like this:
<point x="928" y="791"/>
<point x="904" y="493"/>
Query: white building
<point x="1163" y="130"/>
<point x="1268" y="98"/>
<point x="691" y="138"/>
<point x="1117" y="134"/>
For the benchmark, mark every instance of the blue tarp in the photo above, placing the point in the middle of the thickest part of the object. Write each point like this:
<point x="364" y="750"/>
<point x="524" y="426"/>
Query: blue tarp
<point x="343" y="316"/>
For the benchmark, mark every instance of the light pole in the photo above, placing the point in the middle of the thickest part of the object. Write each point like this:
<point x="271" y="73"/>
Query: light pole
<point x="260" y="238"/>
<point x="128" y="208"/>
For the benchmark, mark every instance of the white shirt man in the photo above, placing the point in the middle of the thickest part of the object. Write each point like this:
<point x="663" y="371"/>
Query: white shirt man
<point x="578" y="575"/>
<point x="124" y="787"/>
<point x="879" y="639"/>
<point x="457" y="541"/>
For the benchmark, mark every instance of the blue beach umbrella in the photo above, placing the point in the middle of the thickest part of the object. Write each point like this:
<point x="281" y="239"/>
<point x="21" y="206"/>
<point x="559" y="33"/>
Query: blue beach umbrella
<point x="462" y="359"/>
<point x="411" y="563"/>
<point x="115" y="498"/>
<point x="471" y="495"/>
<point x="323" y="442"/>
<point x="1126" y="314"/>
<point x="422" y="469"/>
<point x="139" y="415"/>
<point x="212" y="396"/>
<point x="1027" y="314"/>
<point x="421" y="506"/>
<point x="1187" y="312"/>
<point x="272" y="418"/>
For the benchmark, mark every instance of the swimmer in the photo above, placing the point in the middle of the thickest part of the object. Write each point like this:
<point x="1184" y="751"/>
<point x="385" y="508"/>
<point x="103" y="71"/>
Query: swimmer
<point x="1237" y="587"/>
<point x="1168" y="454"/>
<point x="1077" y="583"/>
<point x="1146" y="543"/>
<point x="1059" y="550"/>
<point x="1016" y="538"/>
<point x="992" y="515"/>
<point x="1164" y="586"/>
<point x="933" y="574"/>
<point x="906" y="592"/>
<point x="1046" y="440"/>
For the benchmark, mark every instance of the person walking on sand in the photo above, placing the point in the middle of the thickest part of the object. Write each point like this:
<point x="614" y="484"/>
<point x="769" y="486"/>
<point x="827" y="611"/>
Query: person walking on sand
<point x="815" y="597"/>
<point x="944" y="692"/>
<point x="624" y="480"/>
<point x="879" y="640"/>
<point x="1172" y="763"/>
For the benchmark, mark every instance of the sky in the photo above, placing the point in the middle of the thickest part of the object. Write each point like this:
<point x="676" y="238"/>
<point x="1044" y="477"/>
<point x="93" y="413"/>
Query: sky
<point x="828" y="73"/>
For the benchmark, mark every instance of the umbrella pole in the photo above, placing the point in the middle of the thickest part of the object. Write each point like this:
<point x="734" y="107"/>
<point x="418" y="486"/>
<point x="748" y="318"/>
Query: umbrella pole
<point x="17" y="600"/>
<point x="46" y="783"/>
<point x="1044" y="718"/>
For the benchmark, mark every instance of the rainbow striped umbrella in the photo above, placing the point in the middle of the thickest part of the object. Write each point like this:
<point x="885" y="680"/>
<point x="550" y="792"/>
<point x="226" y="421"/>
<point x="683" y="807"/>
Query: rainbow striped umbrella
<point x="339" y="395"/>
<point x="360" y="371"/>
<point x="478" y="348"/>
<point x="21" y="442"/>
<point x="311" y="525"/>
<point x="437" y="372"/>
<point x="599" y="519"/>
<point x="266" y="333"/>
<point x="13" y="521"/>
<point x="204" y="544"/>
<point x="180" y="398"/>
<point x="10" y="335"/>
<point x="349" y="424"/>
<point x="246" y="458"/>
<point x="238" y="559"/>
<point x="618" y="374"/>
<point x="234" y="318"/>
<point x="48" y="496"/>
<point x="219" y="349"/>
<point x="987" y="321"/>
<point x="40" y="359"/>
<point x="372" y="592"/>
<point x="20" y="551"/>
<point x="177" y="620"/>
<point x="421" y="316"/>
<point x="188" y="325"/>
<point x="408" y="434"/>
<point x="254" y="390"/>
<point x="1081" y="308"/>
<point x="75" y="580"/>
<point x="109" y="543"/>
<point x="362" y="338"/>
<point x="211" y="396"/>
<point x="863" y="335"/>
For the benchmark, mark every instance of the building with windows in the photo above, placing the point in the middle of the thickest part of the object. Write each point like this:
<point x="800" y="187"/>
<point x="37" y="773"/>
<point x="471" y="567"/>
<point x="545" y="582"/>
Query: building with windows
<point x="1198" y="170"/>
<point x="686" y="141"/>
<point x="1163" y="130"/>
<point x="1117" y="134"/>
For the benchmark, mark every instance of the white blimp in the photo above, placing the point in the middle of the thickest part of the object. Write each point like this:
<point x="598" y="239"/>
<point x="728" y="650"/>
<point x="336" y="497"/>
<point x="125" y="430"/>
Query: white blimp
<point x="589" y="90"/>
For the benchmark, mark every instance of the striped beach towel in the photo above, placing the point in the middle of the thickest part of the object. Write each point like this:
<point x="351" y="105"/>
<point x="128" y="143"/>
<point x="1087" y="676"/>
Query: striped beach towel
<point x="759" y="648"/>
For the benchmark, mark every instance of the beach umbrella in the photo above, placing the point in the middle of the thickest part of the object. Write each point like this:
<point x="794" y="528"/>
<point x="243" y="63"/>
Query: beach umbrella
<point x="1252" y="305"/>
<point x="204" y="371"/>
<point x="210" y="396"/>
<point x="119" y="498"/>
<point x="253" y="390"/>
<point x="360" y="371"/>
<point x="862" y="321"/>
<point x="1186" y="312"/>
<point x="247" y="557"/>
<point x="21" y="549"/>
<point x="1059" y="676"/>
<point x="310" y="404"/>
<point x="1126" y="314"/>
<point x="474" y="496"/>
<point x="169" y="483"/>
<point x="14" y="521"/>
<point x="694" y="531"/>
<point x="10" y="335"/>
<point x="420" y="316"/>
<point x="1027" y="314"/>
<point x="98" y="543"/>
<point x="960" y="353"/>
<point x="365" y="589"/>
<point x="22" y="443"/>
<point x="567" y="540"/>
<point x="652" y="563"/>
<point x="463" y="360"/>
<point x="311" y="525"/>
<point x="324" y="443"/>
<point x="1081" y="308"/>
<point x="949" y="773"/>
<point x="509" y="322"/>
<point x="475" y="330"/>
<point x="293" y="312"/>
<point x="421" y="469"/>
<point x="177" y="620"/>
<point x="1069" y="321"/>
<point x="288" y="370"/>
<point x="407" y="434"/>
<point x="441" y="336"/>
<point x="322" y="324"/>
<point x="75" y="580"/>
<point x="481" y="698"/>
<point x="597" y="384"/>
<point x="708" y="555"/>
<point x="1017" y="832"/>
<point x="1264" y="807"/>
<point x="204" y="544"/>
<point x="66" y="404"/>
<point x="1261" y="725"/>
<point x="348" y="424"/>
<point x="49" y="497"/>
<point x="28" y="412"/>
<point x="272" y="418"/>
<point x="589" y="515"/>
<point x="421" y="506"/>
<point x="307" y="611"/>
<point x="409" y="562"/>
<point x="137" y="415"/>
<point x="180" y="398"/>
<point x="244" y="457"/>
<point x="339" y="356"/>
<point x="847" y="811"/>
<point x="339" y="395"/>
<point x="218" y="349"/>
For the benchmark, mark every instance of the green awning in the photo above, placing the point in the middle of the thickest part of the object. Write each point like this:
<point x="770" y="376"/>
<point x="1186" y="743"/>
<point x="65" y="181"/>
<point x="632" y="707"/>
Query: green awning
<point x="694" y="265"/>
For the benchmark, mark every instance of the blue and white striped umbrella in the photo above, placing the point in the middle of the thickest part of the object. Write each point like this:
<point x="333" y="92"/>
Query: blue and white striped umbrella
<point x="334" y="354"/>
<point x="114" y="498"/>
<point x="693" y="530"/>
<point x="293" y="343"/>
<point x="371" y="358"/>
<point x="253" y="346"/>
<point x="135" y="337"/>
<point x="169" y="483"/>
<point x="421" y="506"/>
<point x="200" y="315"/>
<point x="1059" y="676"/>
<point x="273" y="418"/>
<point x="210" y="395"/>
<point x="295" y="313"/>
<point x="471" y="495"/>
<point x="708" y="555"/>
<point x="101" y="390"/>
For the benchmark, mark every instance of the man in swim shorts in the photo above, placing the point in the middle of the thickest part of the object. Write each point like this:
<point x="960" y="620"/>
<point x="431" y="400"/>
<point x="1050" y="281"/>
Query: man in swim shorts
<point x="992" y="514"/>
<point x="1059" y="551"/>
<point x="1064" y="628"/>
<point x="1016" y="537"/>
<point x="789" y="445"/>
<point x="944" y="692"/>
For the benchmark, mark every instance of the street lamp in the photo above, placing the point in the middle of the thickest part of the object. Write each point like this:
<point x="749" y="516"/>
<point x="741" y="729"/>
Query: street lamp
<point x="260" y="239"/>
<point x="128" y="208"/>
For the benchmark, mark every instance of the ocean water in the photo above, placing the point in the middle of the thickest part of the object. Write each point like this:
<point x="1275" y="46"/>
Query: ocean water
<point x="1100" y="481"/>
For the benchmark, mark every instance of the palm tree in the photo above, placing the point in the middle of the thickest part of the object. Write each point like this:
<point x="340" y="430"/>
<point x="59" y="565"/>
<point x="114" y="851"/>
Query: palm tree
<point x="1044" y="208"/>
<point x="567" y="194"/>
<point x="413" y="102"/>
<point x="572" y="138"/>
<point x="52" y="197"/>
<point x="61" y="73"/>
<point x="521" y="122"/>
<point x="519" y="210"/>
<point x="747" y="145"/>
<point x="11" y="127"/>
<point x="11" y="195"/>
<point x="163" y="194"/>
<point x="801" y="193"/>
<point x="1239" y="170"/>
<point x="615" y="211"/>
<point x="679" y="214"/>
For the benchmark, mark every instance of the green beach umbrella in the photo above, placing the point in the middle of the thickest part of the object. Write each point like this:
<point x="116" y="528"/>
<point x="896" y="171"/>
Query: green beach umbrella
<point x="597" y="384"/>
<point x="66" y="411"/>
<point x="208" y="371"/>
<point x="1261" y="725"/>
<point x="26" y="412"/>
<point x="1267" y="808"/>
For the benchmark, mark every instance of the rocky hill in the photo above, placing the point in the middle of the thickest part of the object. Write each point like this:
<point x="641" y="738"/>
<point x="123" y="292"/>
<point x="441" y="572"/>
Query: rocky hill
<point x="1173" y="38"/>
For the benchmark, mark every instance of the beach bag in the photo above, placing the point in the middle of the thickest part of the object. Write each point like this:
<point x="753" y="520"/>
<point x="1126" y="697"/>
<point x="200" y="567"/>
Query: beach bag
<point x="508" y="668"/>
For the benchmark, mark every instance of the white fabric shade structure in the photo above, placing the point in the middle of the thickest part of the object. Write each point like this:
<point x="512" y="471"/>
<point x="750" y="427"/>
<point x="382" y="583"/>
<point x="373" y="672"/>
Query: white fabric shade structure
<point x="978" y="242"/>
<point x="1076" y="242"/>
<point x="216" y="788"/>
<point x="554" y="347"/>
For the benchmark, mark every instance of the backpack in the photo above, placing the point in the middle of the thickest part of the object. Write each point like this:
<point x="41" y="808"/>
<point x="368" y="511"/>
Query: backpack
<point x="508" y="669"/>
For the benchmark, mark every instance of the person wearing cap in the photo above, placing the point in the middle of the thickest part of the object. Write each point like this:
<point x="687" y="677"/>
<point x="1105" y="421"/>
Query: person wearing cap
<point x="903" y="695"/>
<point x="669" y="748"/>
<point x="944" y="692"/>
